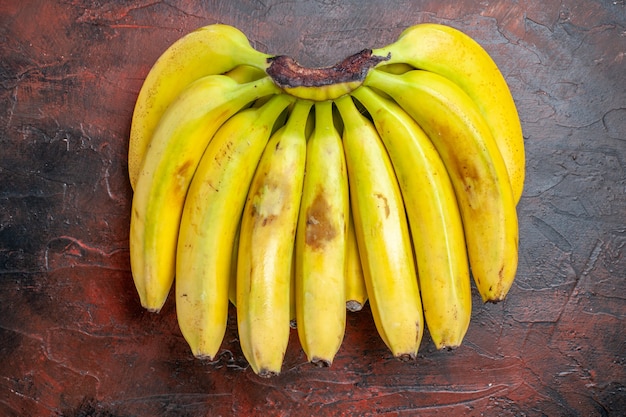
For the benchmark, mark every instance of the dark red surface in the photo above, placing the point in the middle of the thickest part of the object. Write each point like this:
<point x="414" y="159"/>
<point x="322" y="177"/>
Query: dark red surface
<point x="74" y="340"/>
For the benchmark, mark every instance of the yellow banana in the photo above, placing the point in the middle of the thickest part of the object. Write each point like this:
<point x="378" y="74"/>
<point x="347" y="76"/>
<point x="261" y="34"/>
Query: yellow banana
<point x="264" y="262"/>
<point x="434" y="218"/>
<point x="292" y="300"/>
<point x="455" y="55"/>
<point x="213" y="49"/>
<point x="209" y="223"/>
<point x="477" y="170"/>
<point x="321" y="242"/>
<point x="169" y="164"/>
<point x="356" y="291"/>
<point x="383" y="235"/>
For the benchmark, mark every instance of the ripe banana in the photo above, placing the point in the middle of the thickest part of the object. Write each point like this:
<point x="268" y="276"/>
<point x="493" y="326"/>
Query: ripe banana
<point x="209" y="50"/>
<point x="476" y="168"/>
<point x="453" y="54"/>
<point x="383" y="235"/>
<point x="209" y="222"/>
<point x="266" y="242"/>
<point x="356" y="292"/>
<point x="321" y="242"/>
<point x="170" y="162"/>
<point x="434" y="219"/>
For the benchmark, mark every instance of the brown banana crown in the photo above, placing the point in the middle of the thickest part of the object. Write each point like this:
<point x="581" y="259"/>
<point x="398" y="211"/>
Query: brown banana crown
<point x="321" y="84"/>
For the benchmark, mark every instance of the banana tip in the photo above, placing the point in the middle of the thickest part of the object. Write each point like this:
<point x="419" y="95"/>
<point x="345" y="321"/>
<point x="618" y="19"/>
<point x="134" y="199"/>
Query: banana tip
<point x="267" y="373"/>
<point x="322" y="363"/>
<point x="493" y="299"/>
<point x="204" y="357"/>
<point x="447" y="347"/>
<point x="406" y="357"/>
<point x="354" y="306"/>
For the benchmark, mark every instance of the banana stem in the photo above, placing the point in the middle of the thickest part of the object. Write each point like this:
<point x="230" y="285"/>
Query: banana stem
<point x="378" y="79"/>
<point x="264" y="87"/>
<point x="323" y="113"/>
<point x="322" y="84"/>
<point x="286" y="72"/>
<point x="300" y="115"/>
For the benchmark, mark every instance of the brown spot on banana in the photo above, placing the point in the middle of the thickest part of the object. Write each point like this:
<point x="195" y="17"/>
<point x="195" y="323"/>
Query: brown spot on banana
<point x="384" y="202"/>
<point x="320" y="228"/>
<point x="268" y="220"/>
<point x="180" y="174"/>
<point x="182" y="170"/>
<point x="269" y="201"/>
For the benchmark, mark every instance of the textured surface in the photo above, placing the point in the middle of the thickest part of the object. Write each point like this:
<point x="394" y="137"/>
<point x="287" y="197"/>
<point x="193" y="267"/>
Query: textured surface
<point x="74" y="340"/>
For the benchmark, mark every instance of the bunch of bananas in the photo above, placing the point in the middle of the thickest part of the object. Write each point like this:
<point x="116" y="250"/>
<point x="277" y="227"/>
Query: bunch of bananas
<point x="299" y="193"/>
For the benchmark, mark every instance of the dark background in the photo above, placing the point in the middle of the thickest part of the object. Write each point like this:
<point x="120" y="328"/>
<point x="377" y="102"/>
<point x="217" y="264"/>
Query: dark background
<point x="74" y="340"/>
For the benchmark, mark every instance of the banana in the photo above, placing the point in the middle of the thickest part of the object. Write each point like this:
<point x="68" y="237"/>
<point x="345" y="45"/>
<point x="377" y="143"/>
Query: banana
<point x="434" y="218"/>
<point x="382" y="234"/>
<point x="455" y="55"/>
<point x="209" y="223"/>
<point x="209" y="50"/>
<point x="321" y="243"/>
<point x="264" y="262"/>
<point x="476" y="167"/>
<point x="356" y="292"/>
<point x="292" y="300"/>
<point x="169" y="164"/>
